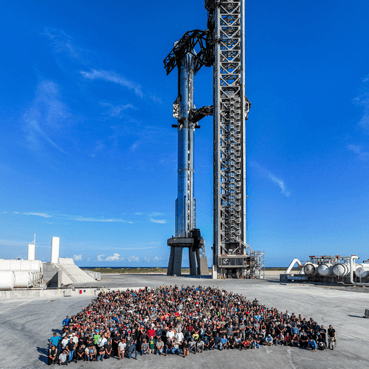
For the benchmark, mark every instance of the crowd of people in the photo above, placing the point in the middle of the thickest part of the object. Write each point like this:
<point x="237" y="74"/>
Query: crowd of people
<point x="177" y="321"/>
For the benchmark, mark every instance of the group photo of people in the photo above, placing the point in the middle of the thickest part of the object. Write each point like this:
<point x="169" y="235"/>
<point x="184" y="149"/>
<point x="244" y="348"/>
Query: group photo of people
<point x="172" y="320"/>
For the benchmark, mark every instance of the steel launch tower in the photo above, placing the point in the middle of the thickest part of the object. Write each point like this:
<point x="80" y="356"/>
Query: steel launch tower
<point x="221" y="46"/>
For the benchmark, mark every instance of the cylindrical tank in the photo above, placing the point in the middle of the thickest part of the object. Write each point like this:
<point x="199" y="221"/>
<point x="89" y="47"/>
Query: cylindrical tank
<point x="6" y="280"/>
<point x="55" y="250"/>
<point x="362" y="271"/>
<point x="310" y="269"/>
<point x="31" y="251"/>
<point x="325" y="269"/>
<point x="22" y="279"/>
<point x="5" y="264"/>
<point x="36" y="265"/>
<point x="341" y="269"/>
<point x="25" y="265"/>
<point x="15" y="264"/>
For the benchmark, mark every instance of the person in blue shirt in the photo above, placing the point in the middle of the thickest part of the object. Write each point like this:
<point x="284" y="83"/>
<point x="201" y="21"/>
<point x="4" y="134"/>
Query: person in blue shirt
<point x="224" y="342"/>
<point x="54" y="340"/>
<point x="312" y="344"/>
<point x="66" y="321"/>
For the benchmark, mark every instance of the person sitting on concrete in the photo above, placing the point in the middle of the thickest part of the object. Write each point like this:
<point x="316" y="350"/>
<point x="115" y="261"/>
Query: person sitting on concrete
<point x="160" y="347"/>
<point x="53" y="355"/>
<point x="193" y="346"/>
<point x="312" y="344"/>
<point x="295" y="341"/>
<point x="152" y="345"/>
<point x="81" y="352"/>
<point x="121" y="349"/>
<point x="186" y="348"/>
<point x="279" y="340"/>
<point x="109" y="348"/>
<point x="287" y="339"/>
<point x="200" y="345"/>
<point x="175" y="347"/>
<point x="101" y="353"/>
<point x="131" y="349"/>
<point x="145" y="347"/>
<point x="304" y="340"/>
<point x="268" y="340"/>
<point x="63" y="358"/>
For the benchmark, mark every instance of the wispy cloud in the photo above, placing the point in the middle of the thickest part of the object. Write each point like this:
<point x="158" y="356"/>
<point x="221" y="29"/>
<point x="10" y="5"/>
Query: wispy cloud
<point x="77" y="257"/>
<point x="147" y="259"/>
<point x="115" y="257"/>
<point x="279" y="182"/>
<point x="359" y="150"/>
<point x="63" y="43"/>
<point x="117" y="110"/>
<point x="42" y="215"/>
<point x="46" y="117"/>
<point x="135" y="259"/>
<point x="160" y="221"/>
<point x="113" y="77"/>
<point x="100" y="220"/>
<point x="156" y="258"/>
<point x="363" y="101"/>
<point x="100" y="257"/>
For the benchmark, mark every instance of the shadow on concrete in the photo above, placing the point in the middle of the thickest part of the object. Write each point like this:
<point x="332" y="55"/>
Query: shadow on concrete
<point x="43" y="357"/>
<point x="356" y="316"/>
<point x="57" y="331"/>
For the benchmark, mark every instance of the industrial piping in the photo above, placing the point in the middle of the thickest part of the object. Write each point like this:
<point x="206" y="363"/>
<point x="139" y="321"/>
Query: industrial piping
<point x="352" y="258"/>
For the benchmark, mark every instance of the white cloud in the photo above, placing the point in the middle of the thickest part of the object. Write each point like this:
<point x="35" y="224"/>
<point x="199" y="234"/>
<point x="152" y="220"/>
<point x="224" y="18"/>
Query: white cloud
<point x="359" y="150"/>
<point x="146" y="259"/>
<point x="102" y="220"/>
<point x="77" y="257"/>
<point x="63" y="43"/>
<point x="115" y="257"/>
<point x="133" y="259"/>
<point x="43" y="215"/>
<point x="100" y="257"/>
<point x="160" y="221"/>
<point x="280" y="183"/>
<point x="116" y="110"/>
<point x="46" y="117"/>
<point x="157" y="258"/>
<point x="111" y="76"/>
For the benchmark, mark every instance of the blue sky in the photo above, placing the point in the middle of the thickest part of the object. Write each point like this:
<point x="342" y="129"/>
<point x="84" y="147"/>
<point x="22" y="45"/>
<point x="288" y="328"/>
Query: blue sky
<point x="87" y="152"/>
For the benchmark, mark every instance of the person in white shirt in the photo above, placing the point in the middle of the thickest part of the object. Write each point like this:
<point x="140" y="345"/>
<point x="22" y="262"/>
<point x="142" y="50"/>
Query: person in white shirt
<point x="179" y="337"/>
<point x="121" y="349"/>
<point x="102" y="341"/>
<point x="170" y="334"/>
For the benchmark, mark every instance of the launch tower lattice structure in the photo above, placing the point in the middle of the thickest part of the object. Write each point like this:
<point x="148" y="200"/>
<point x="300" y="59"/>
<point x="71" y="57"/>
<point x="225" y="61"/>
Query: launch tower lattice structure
<point x="222" y="46"/>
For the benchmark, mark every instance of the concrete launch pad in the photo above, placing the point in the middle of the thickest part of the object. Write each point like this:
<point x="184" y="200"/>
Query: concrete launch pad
<point x="26" y="325"/>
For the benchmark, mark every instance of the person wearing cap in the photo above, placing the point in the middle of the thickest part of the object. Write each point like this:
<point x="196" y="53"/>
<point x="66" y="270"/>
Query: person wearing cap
<point x="63" y="358"/>
<point x="269" y="340"/>
<point x="53" y="355"/>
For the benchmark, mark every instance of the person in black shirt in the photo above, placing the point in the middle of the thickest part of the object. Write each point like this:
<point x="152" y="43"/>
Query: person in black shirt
<point x="331" y="337"/>
<point x="81" y="352"/>
<point x="53" y="354"/>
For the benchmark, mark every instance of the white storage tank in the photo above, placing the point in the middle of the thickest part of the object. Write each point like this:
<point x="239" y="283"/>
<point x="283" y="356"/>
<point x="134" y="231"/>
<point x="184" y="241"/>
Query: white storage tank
<point x="15" y="264"/>
<point x="36" y="265"/>
<point x="341" y="269"/>
<point x="31" y="251"/>
<point x="25" y="265"/>
<point x="5" y="264"/>
<point x="55" y="241"/>
<point x="310" y="269"/>
<point x="6" y="280"/>
<point x="362" y="271"/>
<point x="325" y="269"/>
<point x="22" y="279"/>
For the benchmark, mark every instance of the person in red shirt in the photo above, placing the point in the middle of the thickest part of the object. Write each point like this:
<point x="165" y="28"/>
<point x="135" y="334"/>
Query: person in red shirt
<point x="151" y="333"/>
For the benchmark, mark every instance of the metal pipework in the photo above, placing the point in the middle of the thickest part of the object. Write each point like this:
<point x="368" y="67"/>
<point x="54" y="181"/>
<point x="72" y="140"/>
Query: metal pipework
<point x="362" y="271"/>
<point x="341" y="269"/>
